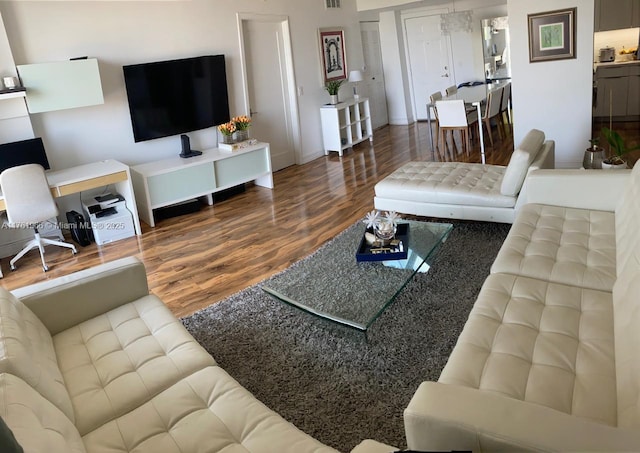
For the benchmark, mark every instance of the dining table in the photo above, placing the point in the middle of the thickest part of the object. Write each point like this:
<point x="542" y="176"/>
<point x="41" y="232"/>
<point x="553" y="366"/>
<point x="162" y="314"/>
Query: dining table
<point x="474" y="95"/>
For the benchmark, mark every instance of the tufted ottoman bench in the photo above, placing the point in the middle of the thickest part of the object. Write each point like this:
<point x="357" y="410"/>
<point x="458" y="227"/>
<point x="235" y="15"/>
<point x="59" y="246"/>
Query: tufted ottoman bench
<point x="465" y="190"/>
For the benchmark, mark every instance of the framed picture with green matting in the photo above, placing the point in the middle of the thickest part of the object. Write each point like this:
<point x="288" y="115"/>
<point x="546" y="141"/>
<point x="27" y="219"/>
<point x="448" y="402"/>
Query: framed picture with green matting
<point x="552" y="35"/>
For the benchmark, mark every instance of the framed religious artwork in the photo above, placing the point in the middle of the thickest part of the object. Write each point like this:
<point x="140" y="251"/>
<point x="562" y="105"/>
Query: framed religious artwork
<point x="332" y="54"/>
<point x="552" y="35"/>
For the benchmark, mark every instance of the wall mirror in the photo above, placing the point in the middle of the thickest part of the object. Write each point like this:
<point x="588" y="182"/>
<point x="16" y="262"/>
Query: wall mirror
<point x="495" y="46"/>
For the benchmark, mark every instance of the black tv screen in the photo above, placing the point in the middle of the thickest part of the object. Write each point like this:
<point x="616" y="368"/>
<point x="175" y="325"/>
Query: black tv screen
<point x="23" y="152"/>
<point x="177" y="96"/>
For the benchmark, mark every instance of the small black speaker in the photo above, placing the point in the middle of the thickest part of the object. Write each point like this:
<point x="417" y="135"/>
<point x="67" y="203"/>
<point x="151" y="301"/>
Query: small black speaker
<point x="186" y="144"/>
<point x="186" y="147"/>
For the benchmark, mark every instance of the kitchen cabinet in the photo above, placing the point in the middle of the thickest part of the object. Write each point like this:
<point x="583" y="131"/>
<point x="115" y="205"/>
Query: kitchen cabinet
<point x="616" y="14"/>
<point x="618" y="90"/>
<point x="633" y="106"/>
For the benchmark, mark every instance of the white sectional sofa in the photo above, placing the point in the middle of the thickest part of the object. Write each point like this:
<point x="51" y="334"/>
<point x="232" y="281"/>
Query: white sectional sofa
<point x="92" y="362"/>
<point x="462" y="190"/>
<point x="548" y="359"/>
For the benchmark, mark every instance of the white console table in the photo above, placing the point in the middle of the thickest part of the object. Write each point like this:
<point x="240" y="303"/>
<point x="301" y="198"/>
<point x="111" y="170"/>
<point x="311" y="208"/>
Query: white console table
<point x="170" y="181"/>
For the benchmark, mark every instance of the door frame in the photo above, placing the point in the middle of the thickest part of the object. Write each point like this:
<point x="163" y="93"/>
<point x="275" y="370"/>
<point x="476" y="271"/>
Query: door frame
<point x="292" y="99"/>
<point x="370" y="92"/>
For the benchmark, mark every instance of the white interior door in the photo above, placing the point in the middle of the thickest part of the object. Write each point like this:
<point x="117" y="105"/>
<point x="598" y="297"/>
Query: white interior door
<point x="373" y="84"/>
<point x="429" y="55"/>
<point x="265" y="44"/>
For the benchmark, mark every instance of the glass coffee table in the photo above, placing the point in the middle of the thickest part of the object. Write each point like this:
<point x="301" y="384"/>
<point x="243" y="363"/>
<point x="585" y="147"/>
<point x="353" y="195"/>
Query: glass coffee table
<point x="332" y="284"/>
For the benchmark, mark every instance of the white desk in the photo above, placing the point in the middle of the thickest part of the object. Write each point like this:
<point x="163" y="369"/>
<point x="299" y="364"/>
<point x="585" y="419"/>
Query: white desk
<point x="91" y="176"/>
<point x="472" y="96"/>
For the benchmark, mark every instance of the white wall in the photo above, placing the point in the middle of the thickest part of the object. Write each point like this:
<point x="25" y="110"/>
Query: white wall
<point x="395" y="69"/>
<point x="127" y="32"/>
<point x="553" y="96"/>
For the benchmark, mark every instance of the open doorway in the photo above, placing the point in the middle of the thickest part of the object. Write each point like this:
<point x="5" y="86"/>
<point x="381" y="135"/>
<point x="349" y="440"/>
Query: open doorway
<point x="269" y="85"/>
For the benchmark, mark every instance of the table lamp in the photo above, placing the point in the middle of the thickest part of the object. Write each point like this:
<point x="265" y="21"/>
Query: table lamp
<point x="355" y="76"/>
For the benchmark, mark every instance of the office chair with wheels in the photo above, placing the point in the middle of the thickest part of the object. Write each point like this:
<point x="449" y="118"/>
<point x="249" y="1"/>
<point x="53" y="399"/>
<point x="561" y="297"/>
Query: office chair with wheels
<point x="29" y="202"/>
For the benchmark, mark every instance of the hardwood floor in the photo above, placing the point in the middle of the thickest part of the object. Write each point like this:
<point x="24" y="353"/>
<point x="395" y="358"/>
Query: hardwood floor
<point x="195" y="260"/>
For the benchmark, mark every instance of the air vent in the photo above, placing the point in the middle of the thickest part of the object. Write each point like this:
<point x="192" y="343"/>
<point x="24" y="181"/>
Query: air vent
<point x="332" y="3"/>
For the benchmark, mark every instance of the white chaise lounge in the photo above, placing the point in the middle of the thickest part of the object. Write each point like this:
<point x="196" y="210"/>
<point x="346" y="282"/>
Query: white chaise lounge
<point x="465" y="190"/>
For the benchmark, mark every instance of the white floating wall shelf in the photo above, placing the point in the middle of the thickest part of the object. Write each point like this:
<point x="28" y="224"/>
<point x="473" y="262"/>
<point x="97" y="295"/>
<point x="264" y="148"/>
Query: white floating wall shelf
<point x="61" y="85"/>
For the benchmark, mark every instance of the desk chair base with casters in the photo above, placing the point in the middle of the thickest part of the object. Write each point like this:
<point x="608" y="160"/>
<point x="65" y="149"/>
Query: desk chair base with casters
<point x="40" y="242"/>
<point x="29" y="202"/>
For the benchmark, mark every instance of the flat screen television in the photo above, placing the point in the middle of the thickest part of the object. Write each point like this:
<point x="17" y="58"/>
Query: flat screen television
<point x="24" y="152"/>
<point x="176" y="96"/>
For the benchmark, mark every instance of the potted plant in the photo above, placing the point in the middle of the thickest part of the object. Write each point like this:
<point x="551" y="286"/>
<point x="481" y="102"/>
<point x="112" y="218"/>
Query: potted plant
<point x="332" y="87"/>
<point x="593" y="155"/>
<point x="227" y="130"/>
<point x="618" y="147"/>
<point x="242" y="124"/>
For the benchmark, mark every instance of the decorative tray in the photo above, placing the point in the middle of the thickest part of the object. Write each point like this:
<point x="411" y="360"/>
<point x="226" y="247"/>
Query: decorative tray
<point x="397" y="250"/>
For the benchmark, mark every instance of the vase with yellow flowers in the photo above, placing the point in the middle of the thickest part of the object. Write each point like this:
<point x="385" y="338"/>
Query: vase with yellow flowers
<point x="242" y="124"/>
<point x="227" y="130"/>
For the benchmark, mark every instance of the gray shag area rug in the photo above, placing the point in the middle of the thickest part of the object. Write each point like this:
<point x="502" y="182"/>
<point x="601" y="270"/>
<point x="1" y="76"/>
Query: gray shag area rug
<point x="333" y="382"/>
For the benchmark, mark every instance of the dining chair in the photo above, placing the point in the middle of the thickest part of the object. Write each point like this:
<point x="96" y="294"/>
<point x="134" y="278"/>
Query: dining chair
<point x="504" y="106"/>
<point x="491" y="111"/>
<point x="433" y="98"/>
<point x="452" y="116"/>
<point x="451" y="90"/>
<point x="28" y="202"/>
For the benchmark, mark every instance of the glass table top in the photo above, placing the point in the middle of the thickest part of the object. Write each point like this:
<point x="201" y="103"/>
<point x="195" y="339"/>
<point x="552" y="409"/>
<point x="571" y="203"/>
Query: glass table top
<point x="332" y="284"/>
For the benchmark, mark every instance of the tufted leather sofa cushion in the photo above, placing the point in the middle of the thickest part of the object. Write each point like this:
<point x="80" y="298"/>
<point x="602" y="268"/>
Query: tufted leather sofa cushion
<point x="206" y="409"/>
<point x="626" y="293"/>
<point x="117" y="361"/>
<point x="544" y="343"/>
<point x="520" y="162"/>
<point x="628" y="220"/>
<point x="37" y="424"/>
<point x="563" y="245"/>
<point x="627" y="335"/>
<point x="26" y="350"/>
<point x="446" y="182"/>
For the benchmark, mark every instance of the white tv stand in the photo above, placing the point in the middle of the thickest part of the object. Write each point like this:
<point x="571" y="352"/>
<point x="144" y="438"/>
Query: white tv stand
<point x="166" y="182"/>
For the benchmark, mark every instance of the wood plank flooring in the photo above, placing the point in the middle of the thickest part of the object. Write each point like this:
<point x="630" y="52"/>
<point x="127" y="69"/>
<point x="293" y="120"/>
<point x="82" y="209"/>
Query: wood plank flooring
<point x="195" y="260"/>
